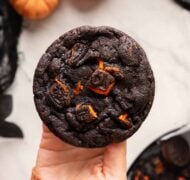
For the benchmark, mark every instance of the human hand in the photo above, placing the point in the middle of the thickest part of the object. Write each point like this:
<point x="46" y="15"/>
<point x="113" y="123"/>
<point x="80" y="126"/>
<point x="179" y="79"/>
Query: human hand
<point x="60" y="161"/>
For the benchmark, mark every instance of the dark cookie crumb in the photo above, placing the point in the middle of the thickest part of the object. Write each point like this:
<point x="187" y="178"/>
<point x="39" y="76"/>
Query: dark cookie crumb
<point x="100" y="82"/>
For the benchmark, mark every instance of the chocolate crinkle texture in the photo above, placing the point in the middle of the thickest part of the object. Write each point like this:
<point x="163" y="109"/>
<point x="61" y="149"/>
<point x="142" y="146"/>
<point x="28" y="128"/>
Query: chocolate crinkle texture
<point x="93" y="86"/>
<point x="10" y="28"/>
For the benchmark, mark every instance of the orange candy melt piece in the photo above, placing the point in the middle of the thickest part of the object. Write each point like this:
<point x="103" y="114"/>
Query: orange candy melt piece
<point x="101" y="64"/>
<point x="90" y="108"/>
<point x="62" y="85"/>
<point x="124" y="118"/>
<point x="159" y="167"/>
<point x="78" y="88"/>
<point x="92" y="112"/>
<point x="103" y="92"/>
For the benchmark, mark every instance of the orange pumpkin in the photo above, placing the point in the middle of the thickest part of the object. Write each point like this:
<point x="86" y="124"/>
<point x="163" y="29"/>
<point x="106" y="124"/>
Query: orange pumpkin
<point x="34" y="9"/>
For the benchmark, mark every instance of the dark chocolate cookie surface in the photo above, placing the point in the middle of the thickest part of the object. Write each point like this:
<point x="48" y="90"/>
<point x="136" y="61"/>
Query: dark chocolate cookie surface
<point x="93" y="86"/>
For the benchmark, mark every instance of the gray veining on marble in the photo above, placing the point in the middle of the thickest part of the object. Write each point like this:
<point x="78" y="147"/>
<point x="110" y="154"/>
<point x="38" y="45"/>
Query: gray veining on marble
<point x="163" y="30"/>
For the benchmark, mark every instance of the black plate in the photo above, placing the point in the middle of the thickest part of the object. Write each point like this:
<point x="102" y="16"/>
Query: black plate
<point x="153" y="150"/>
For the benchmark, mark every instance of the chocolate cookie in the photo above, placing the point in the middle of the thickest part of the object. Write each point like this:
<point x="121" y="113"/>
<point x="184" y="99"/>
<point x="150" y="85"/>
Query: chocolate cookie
<point x="176" y="151"/>
<point x="10" y="27"/>
<point x="93" y="86"/>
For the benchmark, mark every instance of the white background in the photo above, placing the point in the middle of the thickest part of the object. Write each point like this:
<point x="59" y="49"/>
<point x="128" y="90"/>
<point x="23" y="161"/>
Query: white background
<point x="163" y="30"/>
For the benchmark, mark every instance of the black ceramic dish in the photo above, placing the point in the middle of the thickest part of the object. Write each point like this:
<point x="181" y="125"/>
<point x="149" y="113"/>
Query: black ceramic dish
<point x="153" y="164"/>
<point x="184" y="3"/>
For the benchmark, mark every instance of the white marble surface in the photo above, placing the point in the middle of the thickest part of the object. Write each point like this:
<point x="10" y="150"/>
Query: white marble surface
<point x="163" y="30"/>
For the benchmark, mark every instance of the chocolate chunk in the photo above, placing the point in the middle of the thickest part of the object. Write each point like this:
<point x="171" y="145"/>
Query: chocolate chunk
<point x="59" y="94"/>
<point x="176" y="151"/>
<point x="85" y="113"/>
<point x="100" y="80"/>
